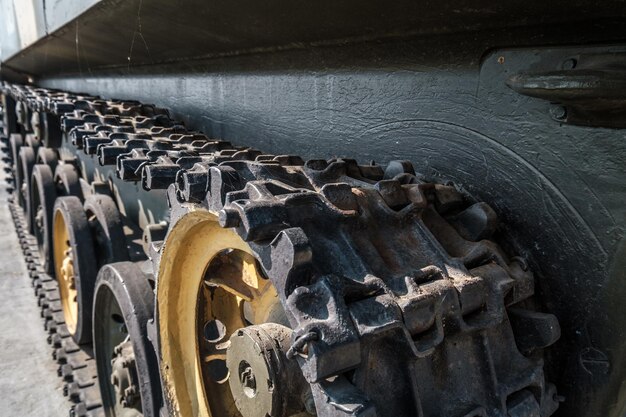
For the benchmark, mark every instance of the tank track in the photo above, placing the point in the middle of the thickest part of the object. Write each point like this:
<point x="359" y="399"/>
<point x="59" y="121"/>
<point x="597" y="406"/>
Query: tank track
<point x="76" y="363"/>
<point x="116" y="121"/>
<point x="386" y="277"/>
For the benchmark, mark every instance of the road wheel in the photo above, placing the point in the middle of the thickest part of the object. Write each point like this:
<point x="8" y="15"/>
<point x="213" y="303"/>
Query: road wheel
<point x="51" y="133"/>
<point x="48" y="156"/>
<point x="42" y="197"/>
<point x="67" y="178"/>
<point x="16" y="141"/>
<point x="74" y="265"/>
<point x="22" y="181"/>
<point x="212" y="295"/>
<point x="128" y="372"/>
<point x="106" y="228"/>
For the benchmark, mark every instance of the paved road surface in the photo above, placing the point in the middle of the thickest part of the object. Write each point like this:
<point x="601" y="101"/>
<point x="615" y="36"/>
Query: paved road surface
<point x="29" y="386"/>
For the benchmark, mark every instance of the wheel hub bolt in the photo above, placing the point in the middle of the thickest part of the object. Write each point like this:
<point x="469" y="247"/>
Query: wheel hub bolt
<point x="263" y="382"/>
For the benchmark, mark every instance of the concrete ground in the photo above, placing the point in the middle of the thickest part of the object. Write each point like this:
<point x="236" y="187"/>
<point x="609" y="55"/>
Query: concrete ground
<point x="29" y="385"/>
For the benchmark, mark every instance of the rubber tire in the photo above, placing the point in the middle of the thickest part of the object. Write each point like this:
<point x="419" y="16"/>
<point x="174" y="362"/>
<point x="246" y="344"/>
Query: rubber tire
<point x="32" y="141"/>
<point x="22" y="179"/>
<point x="16" y="141"/>
<point x="112" y="247"/>
<point x="67" y="178"/>
<point x="9" y="117"/>
<point x="43" y="192"/>
<point x="52" y="136"/>
<point x="128" y="285"/>
<point x="25" y="116"/>
<point x="48" y="156"/>
<point x="85" y="269"/>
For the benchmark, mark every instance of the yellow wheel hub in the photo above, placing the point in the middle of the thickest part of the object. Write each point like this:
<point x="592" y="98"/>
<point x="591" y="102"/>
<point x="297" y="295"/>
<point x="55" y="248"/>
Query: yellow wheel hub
<point x="209" y="286"/>
<point x="67" y="269"/>
<point x="64" y="271"/>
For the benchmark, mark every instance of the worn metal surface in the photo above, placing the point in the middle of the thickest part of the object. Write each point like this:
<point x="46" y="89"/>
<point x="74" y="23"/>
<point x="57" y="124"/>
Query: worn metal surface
<point x="264" y="381"/>
<point x="25" y="22"/>
<point x="590" y="88"/>
<point x="200" y="28"/>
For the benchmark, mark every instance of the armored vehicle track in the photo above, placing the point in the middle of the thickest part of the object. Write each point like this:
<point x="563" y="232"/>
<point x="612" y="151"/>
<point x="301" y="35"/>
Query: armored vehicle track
<point x="183" y="275"/>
